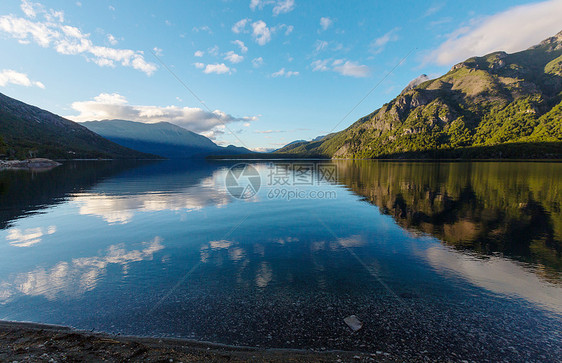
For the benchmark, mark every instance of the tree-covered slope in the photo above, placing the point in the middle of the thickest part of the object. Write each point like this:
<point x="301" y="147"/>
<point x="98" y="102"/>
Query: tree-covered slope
<point x="27" y="131"/>
<point x="483" y="106"/>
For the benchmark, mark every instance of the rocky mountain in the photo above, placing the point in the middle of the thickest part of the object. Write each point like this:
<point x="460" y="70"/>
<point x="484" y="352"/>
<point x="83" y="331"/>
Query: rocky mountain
<point x="28" y="131"/>
<point x="498" y="105"/>
<point x="162" y="138"/>
<point x="416" y="82"/>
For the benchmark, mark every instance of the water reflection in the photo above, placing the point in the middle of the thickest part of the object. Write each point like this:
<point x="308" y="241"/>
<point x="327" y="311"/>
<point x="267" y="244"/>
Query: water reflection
<point x="498" y="275"/>
<point x="451" y="249"/>
<point x="508" y="208"/>
<point x="75" y="277"/>
<point x="28" y="237"/>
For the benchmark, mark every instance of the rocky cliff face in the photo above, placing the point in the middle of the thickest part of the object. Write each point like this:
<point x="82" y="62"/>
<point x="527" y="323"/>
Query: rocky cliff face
<point x="484" y="101"/>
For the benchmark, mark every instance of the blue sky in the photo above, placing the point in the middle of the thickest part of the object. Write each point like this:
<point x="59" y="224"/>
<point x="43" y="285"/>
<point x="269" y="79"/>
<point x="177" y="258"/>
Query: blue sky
<point x="272" y="71"/>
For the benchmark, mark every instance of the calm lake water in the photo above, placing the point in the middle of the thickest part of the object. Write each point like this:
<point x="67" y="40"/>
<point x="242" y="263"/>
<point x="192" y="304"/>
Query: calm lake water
<point x="445" y="260"/>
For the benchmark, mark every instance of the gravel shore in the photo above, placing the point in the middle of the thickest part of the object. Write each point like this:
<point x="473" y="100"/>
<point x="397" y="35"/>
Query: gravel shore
<point x="29" y="342"/>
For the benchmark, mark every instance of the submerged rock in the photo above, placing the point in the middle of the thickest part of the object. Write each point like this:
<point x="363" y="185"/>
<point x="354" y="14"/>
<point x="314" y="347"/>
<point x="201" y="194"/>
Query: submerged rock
<point x="354" y="323"/>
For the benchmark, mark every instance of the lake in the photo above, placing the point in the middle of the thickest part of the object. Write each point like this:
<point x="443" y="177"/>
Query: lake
<point x="447" y="260"/>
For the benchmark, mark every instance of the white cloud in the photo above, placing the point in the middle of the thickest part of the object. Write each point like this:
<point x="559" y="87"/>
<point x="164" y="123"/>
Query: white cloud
<point x="341" y="66"/>
<point x="320" y="45"/>
<point x="199" y="53"/>
<point x="29" y="8"/>
<point x="433" y="9"/>
<point x="378" y="44"/>
<point x="257" y="62"/>
<point x="512" y="30"/>
<point x="115" y="106"/>
<point x="256" y="3"/>
<point x="240" y="26"/>
<point x="320" y="65"/>
<point x="352" y="69"/>
<point x="157" y="51"/>
<point x="217" y="68"/>
<point x="288" y="28"/>
<point x="69" y="40"/>
<point x="203" y="28"/>
<point x="269" y="131"/>
<point x="280" y="6"/>
<point x="240" y="44"/>
<point x="111" y="39"/>
<point x="263" y="149"/>
<point x="325" y="23"/>
<point x="199" y="65"/>
<point x="261" y="33"/>
<point x="9" y="76"/>
<point x="283" y="7"/>
<point x="214" y="51"/>
<point x="233" y="57"/>
<point x="283" y="73"/>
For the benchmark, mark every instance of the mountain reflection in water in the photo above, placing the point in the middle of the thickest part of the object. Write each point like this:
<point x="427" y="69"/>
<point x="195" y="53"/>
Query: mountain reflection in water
<point x="425" y="254"/>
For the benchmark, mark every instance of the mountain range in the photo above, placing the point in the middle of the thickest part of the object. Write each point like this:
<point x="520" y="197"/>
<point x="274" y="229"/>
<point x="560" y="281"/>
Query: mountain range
<point x="485" y="107"/>
<point x="28" y="131"/>
<point x="162" y="138"/>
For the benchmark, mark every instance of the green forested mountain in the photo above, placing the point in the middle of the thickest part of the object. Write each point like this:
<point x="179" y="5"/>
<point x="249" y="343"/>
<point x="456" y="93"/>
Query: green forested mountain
<point x="27" y="131"/>
<point x="497" y="105"/>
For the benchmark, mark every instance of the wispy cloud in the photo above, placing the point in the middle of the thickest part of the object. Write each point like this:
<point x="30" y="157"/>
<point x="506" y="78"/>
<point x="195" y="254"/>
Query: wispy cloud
<point x="203" y="28"/>
<point x="279" y="6"/>
<point x="199" y="53"/>
<point x="240" y="26"/>
<point x="433" y="9"/>
<point x="325" y="23"/>
<point x="233" y="57"/>
<point x="341" y="66"/>
<point x="512" y="30"/>
<point x="111" y="39"/>
<point x="51" y="32"/>
<point x="257" y="62"/>
<point x="378" y="44"/>
<point x="283" y="73"/>
<point x="283" y="7"/>
<point x="9" y="76"/>
<point x="115" y="106"/>
<point x="268" y="131"/>
<point x="241" y="45"/>
<point x="352" y="69"/>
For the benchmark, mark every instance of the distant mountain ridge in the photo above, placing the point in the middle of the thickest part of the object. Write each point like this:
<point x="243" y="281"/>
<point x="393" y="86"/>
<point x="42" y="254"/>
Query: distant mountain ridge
<point x="498" y="105"/>
<point x="162" y="138"/>
<point x="28" y="131"/>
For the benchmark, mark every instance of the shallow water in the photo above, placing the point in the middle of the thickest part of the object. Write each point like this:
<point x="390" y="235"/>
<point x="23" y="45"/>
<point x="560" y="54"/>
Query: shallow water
<point x="444" y="260"/>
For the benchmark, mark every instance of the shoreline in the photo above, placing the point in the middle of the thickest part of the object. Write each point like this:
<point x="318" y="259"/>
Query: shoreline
<point x="27" y="341"/>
